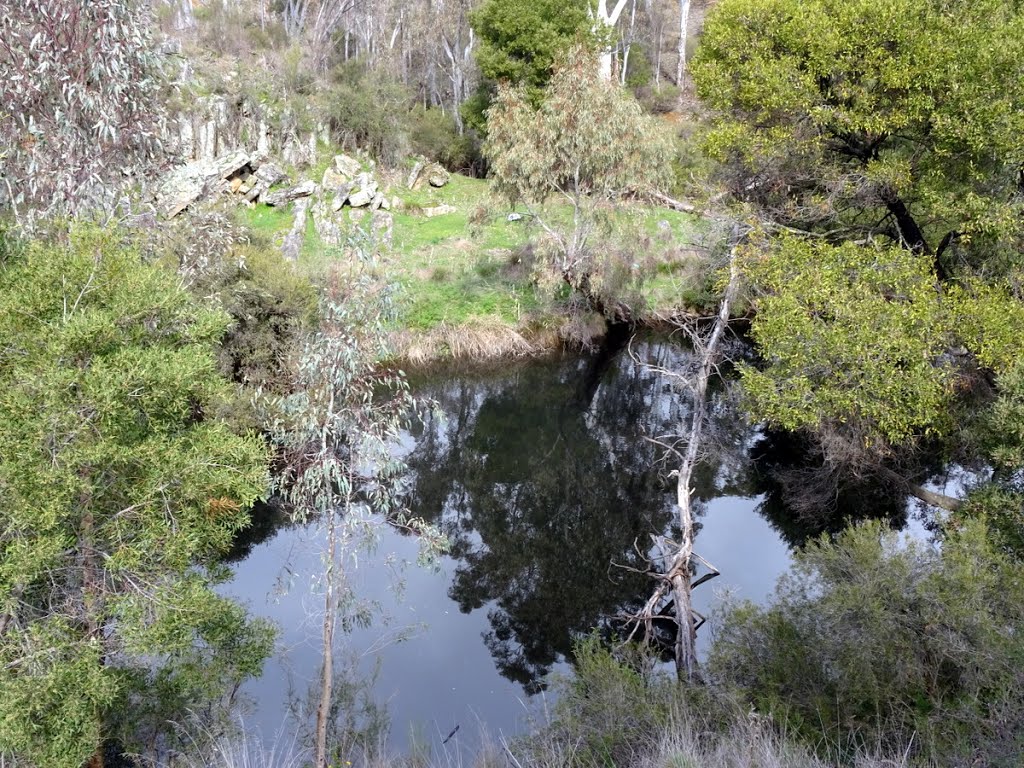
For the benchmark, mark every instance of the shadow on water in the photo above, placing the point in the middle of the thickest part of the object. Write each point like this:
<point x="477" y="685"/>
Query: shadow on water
<point x="551" y="479"/>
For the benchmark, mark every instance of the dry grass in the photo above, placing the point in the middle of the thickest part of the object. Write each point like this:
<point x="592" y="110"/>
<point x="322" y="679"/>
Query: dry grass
<point x="478" y="340"/>
<point x="750" y="742"/>
<point x="243" y="749"/>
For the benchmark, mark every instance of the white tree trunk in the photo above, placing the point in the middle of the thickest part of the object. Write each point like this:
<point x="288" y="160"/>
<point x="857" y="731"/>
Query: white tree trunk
<point x="684" y="17"/>
<point x="605" y="22"/>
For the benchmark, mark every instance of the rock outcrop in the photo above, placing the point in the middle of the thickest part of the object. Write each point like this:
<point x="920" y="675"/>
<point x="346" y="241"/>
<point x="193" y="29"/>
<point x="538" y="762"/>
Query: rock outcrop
<point x="195" y="180"/>
<point x="266" y="176"/>
<point x="424" y="173"/>
<point x="439" y="210"/>
<point x="284" y="196"/>
<point x="382" y="227"/>
<point x="292" y="245"/>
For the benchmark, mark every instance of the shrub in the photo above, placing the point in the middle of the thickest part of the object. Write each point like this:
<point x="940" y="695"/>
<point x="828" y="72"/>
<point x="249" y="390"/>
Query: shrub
<point x="365" y="110"/>
<point x="873" y="642"/>
<point x="435" y="135"/>
<point x="270" y="305"/>
<point x="640" y="69"/>
<point x="658" y="99"/>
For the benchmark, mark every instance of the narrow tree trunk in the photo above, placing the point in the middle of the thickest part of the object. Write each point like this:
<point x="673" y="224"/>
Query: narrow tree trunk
<point x="628" y="44"/>
<point x="330" y="611"/>
<point x="686" y="639"/>
<point x="684" y="17"/>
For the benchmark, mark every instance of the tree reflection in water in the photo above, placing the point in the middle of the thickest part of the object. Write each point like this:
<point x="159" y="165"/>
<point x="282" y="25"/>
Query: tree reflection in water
<point x="543" y="485"/>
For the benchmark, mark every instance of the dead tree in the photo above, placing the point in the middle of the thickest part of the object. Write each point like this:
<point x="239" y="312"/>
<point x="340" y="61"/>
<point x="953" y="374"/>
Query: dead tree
<point x="675" y="579"/>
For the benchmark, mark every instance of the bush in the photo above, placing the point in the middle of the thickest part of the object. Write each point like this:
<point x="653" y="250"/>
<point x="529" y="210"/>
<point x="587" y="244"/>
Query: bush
<point x="610" y="713"/>
<point x="367" y="110"/>
<point x="658" y="99"/>
<point x="870" y="642"/>
<point x="270" y="305"/>
<point x="435" y="135"/>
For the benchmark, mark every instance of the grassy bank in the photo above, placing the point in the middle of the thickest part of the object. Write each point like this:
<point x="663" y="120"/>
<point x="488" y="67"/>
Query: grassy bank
<point x="467" y="277"/>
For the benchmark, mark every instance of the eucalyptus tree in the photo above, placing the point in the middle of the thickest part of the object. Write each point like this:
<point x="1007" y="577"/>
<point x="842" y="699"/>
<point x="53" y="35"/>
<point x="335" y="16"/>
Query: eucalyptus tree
<point x="573" y="161"/>
<point x="336" y="434"/>
<point x="119" y="488"/>
<point x="80" y="97"/>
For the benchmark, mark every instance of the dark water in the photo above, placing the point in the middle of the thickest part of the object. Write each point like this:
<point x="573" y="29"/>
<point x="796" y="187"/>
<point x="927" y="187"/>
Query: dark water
<point x="549" y="479"/>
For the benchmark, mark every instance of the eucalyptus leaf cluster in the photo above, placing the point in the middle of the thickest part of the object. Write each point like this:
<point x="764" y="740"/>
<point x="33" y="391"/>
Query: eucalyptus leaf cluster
<point x="336" y="432"/>
<point x="80" y="114"/>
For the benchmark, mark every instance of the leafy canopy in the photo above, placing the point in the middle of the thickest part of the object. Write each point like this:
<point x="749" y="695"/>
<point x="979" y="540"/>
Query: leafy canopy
<point x="897" y="118"/>
<point x="858" y="336"/>
<point x="887" y="140"/>
<point x="521" y="40"/>
<point x="118" y="488"/>
<point x="585" y="149"/>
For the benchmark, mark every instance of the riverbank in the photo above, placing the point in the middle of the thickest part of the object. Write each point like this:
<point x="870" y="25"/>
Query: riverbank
<point x="470" y="285"/>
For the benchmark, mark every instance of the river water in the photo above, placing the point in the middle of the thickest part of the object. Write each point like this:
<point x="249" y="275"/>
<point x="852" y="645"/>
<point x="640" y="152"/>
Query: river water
<point x="549" y="479"/>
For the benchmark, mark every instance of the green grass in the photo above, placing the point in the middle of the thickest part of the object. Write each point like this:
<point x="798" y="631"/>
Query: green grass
<point x="462" y="267"/>
<point x="266" y="221"/>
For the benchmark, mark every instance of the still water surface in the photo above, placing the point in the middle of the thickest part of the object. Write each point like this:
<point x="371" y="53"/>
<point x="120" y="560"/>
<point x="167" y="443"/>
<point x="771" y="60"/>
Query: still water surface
<point x="547" y="478"/>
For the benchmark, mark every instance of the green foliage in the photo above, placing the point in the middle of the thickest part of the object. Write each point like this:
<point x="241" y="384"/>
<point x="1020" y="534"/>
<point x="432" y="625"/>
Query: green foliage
<point x="872" y="642"/>
<point x="238" y="269"/>
<point x="997" y="434"/>
<point x="587" y="138"/>
<point x="119" y="487"/>
<point x="852" y="117"/>
<point x="658" y="99"/>
<point x="1002" y="425"/>
<point x="521" y="40"/>
<point x="607" y="710"/>
<point x="435" y="135"/>
<point x="588" y="144"/>
<point x="640" y="70"/>
<point x="270" y="306"/>
<point x="848" y="334"/>
<point x="367" y="110"/>
<point x="999" y="505"/>
<point x="856" y="338"/>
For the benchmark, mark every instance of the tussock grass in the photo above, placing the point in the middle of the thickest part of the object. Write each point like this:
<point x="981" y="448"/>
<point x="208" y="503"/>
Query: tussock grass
<point x="240" y="748"/>
<point x="476" y="340"/>
<point x="749" y="742"/>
